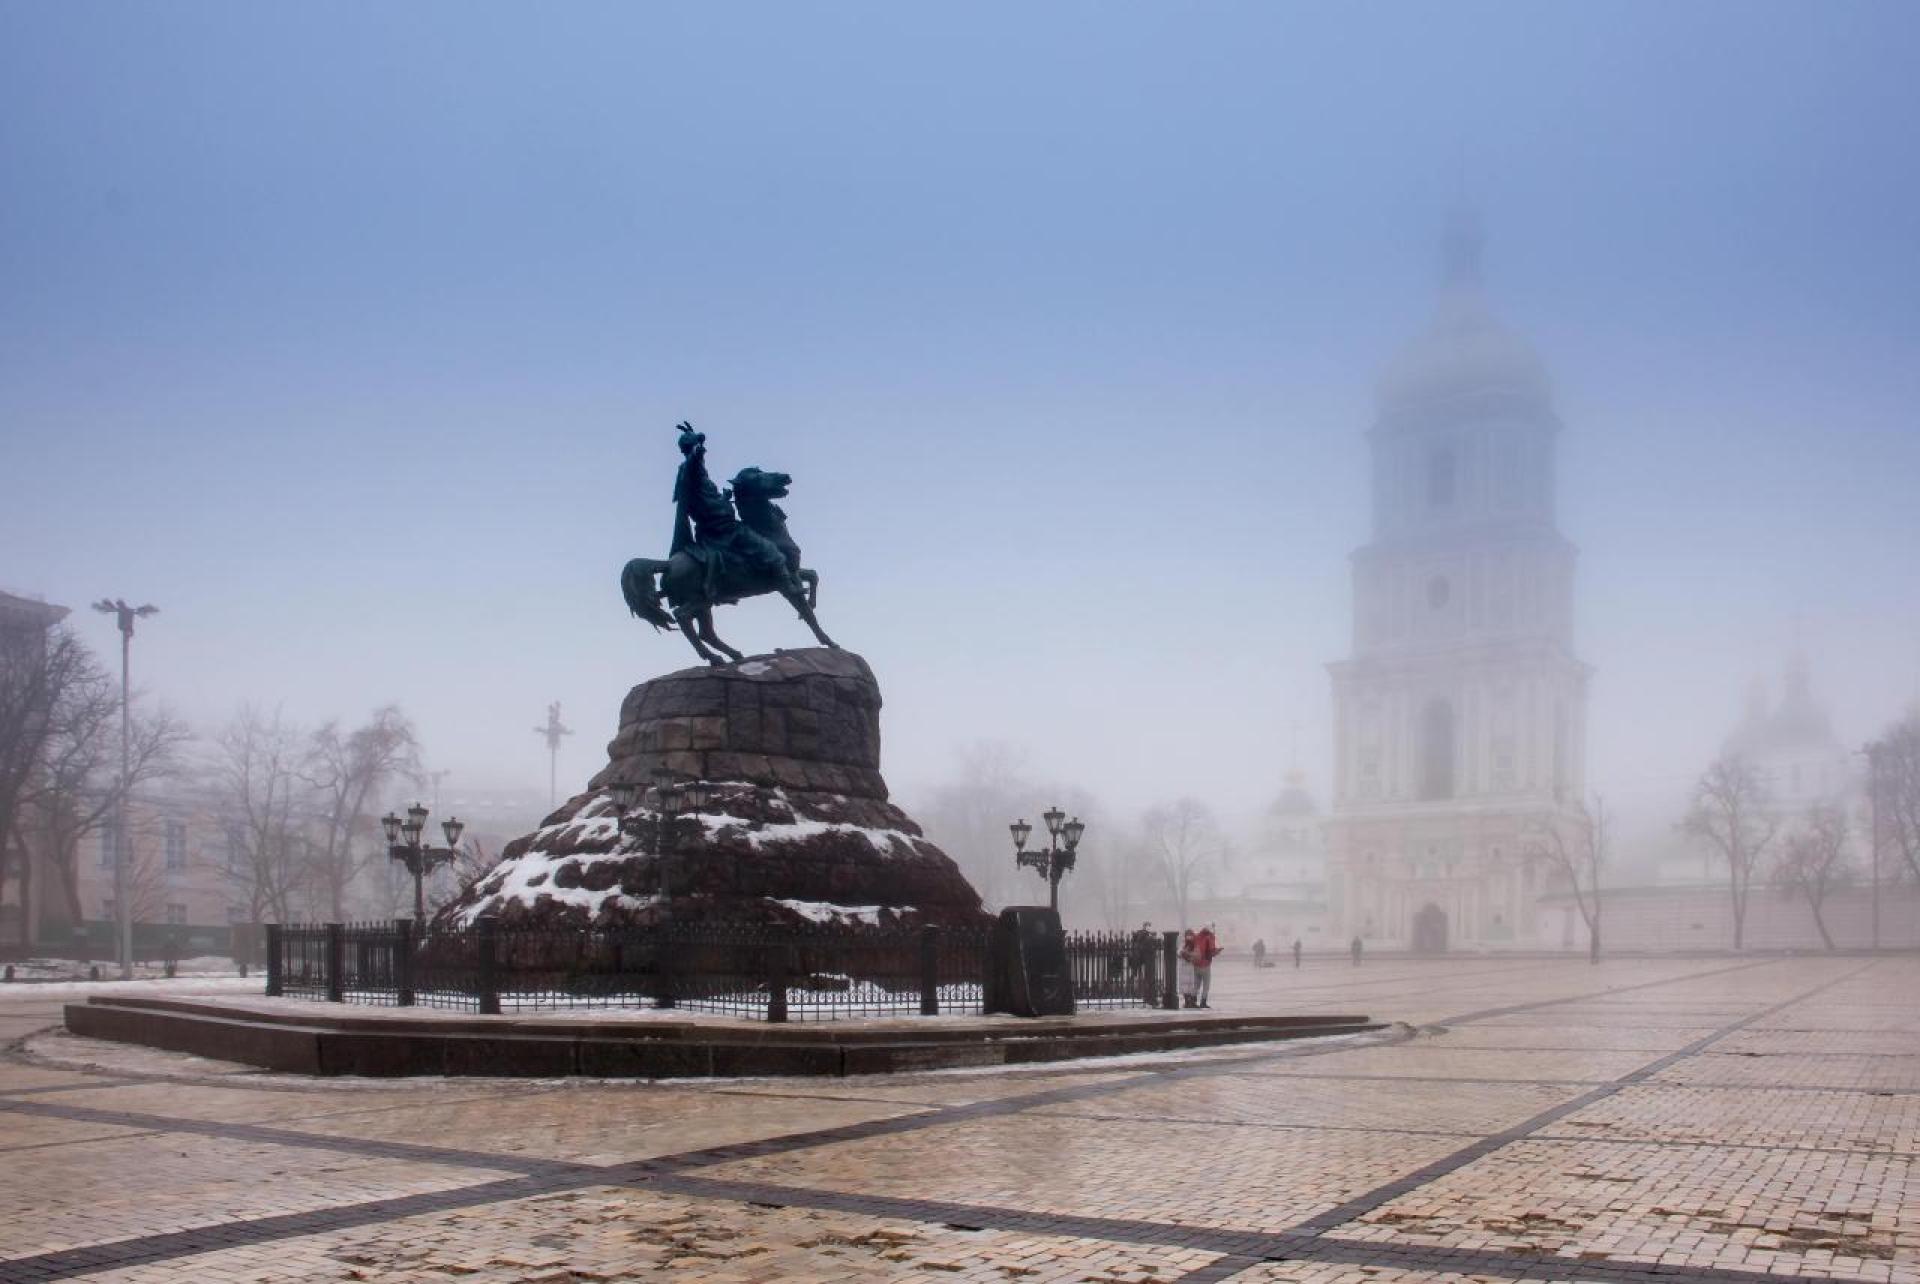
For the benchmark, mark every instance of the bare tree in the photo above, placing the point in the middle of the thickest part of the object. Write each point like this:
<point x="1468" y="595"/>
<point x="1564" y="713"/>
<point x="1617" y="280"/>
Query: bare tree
<point x="79" y="787"/>
<point x="1576" y="848"/>
<point x="1122" y="866"/>
<point x="1817" y="859"/>
<point x="257" y="792"/>
<point x="1184" y="846"/>
<point x="1729" y="812"/>
<point x="347" y="771"/>
<point x="36" y="671"/>
<point x="1894" y="782"/>
<point x="146" y="869"/>
<point x="471" y="862"/>
<point x="968" y="817"/>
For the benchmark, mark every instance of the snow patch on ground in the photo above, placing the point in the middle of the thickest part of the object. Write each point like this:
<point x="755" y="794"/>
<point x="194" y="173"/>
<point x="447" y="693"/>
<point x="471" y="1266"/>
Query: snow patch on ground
<point x="177" y="987"/>
<point x="57" y="969"/>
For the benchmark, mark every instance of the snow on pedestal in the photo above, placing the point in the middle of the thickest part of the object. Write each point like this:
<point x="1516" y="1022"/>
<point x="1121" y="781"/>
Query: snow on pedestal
<point x="798" y="829"/>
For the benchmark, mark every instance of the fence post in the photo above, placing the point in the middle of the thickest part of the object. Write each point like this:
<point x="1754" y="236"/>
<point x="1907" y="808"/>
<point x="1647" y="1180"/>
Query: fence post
<point x="929" y="970"/>
<point x="777" y="983"/>
<point x="403" y="962"/>
<point x="336" y="963"/>
<point x="1170" y="965"/>
<point x="276" y="974"/>
<point x="665" y="959"/>
<point x="489" y="968"/>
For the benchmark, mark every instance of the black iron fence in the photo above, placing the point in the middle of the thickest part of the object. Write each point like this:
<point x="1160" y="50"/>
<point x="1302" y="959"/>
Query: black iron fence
<point x="811" y="974"/>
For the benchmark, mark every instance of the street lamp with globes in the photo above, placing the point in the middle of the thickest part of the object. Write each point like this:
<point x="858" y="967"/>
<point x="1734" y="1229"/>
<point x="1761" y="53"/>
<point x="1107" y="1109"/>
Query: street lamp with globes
<point x="1057" y="857"/>
<point x="404" y="845"/>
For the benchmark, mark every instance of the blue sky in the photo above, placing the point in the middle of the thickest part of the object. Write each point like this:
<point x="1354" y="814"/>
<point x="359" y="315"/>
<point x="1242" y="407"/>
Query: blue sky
<point x="353" y="336"/>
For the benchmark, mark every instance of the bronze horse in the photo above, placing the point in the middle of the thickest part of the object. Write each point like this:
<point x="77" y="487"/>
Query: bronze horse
<point x="694" y="581"/>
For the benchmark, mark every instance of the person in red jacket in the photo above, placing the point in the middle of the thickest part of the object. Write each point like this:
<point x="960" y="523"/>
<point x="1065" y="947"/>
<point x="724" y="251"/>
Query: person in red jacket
<point x="1206" y="948"/>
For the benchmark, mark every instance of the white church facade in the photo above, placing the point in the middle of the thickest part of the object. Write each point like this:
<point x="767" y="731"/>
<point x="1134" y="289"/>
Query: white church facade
<point x="1460" y="713"/>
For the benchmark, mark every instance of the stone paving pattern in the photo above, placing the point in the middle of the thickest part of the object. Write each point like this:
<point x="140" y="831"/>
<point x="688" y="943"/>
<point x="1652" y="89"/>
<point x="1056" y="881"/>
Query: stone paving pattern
<point x="1720" y="1120"/>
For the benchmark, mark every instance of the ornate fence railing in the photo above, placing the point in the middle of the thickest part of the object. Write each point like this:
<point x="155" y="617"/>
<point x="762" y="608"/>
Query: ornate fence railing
<point x="810" y="974"/>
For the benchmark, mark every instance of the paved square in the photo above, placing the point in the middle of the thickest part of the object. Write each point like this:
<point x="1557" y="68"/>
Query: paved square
<point x="1722" y="1120"/>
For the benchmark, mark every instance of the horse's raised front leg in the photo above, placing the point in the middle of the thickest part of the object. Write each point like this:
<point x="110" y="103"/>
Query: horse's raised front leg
<point x="811" y="579"/>
<point x="686" y="627"/>
<point x="798" y="601"/>
<point x="712" y="639"/>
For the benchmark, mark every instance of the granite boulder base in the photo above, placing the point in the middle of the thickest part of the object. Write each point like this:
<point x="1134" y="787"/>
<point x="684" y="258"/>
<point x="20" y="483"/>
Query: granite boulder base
<point x="798" y="828"/>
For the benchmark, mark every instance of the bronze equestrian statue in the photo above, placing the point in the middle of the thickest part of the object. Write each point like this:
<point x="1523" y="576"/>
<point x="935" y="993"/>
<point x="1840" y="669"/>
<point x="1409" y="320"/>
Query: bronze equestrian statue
<point x="719" y="556"/>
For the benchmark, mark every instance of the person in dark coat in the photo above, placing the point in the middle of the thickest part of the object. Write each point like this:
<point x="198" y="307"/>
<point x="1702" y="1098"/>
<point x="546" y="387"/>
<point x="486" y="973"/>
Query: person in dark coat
<point x="1296" y="954"/>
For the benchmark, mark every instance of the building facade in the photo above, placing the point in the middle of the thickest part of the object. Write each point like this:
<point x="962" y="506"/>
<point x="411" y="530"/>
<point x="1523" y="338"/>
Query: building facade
<point x="1460" y="713"/>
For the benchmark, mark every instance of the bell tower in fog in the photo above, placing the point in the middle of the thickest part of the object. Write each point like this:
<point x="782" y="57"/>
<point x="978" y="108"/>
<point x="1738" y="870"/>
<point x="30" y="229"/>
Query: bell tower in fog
<point x="1460" y="714"/>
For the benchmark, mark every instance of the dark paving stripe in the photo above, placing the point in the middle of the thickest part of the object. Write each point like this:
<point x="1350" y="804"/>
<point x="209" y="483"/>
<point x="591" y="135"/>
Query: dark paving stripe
<point x="1726" y="1086"/>
<point x="1704" y="1143"/>
<point x="1512" y="1009"/>
<point x="68" y="1087"/>
<point x="1422" y="1078"/>
<point x="989" y="1109"/>
<point x="1179" y="1120"/>
<point x="1249" y="1248"/>
<point x="670" y="1173"/>
<point x="289" y="1137"/>
<point x="1121" y="1230"/>
<point x="1381" y="1195"/>
<point x="146" y="1250"/>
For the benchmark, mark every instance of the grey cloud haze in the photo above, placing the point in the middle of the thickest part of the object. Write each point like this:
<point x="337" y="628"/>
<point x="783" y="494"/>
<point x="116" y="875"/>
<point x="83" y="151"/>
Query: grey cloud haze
<point x="354" y="338"/>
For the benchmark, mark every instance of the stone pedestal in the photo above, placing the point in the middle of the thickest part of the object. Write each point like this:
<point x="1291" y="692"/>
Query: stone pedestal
<point x="798" y="830"/>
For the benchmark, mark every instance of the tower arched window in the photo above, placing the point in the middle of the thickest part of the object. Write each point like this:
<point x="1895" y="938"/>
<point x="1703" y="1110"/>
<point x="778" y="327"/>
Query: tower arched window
<point x="1436" y="750"/>
<point x="1441" y="470"/>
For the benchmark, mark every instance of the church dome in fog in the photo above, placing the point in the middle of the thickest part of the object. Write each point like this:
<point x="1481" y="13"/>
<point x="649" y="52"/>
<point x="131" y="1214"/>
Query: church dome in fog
<point x="1466" y="354"/>
<point x="1294" y="799"/>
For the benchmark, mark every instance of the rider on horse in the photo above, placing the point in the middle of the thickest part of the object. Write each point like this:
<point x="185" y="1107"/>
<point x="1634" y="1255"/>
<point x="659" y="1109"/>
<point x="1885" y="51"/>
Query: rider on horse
<point x="738" y="561"/>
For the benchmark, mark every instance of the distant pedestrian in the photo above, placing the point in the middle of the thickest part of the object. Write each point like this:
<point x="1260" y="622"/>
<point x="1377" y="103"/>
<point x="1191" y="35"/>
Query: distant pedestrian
<point x="1296" y="954"/>
<point x="1354" y="949"/>
<point x="1140" y="953"/>
<point x="1189" y="978"/>
<point x="1206" y="948"/>
<point x="1260" y="951"/>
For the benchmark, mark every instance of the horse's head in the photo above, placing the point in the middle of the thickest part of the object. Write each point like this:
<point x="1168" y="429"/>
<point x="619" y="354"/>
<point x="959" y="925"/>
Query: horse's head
<point x="753" y="483"/>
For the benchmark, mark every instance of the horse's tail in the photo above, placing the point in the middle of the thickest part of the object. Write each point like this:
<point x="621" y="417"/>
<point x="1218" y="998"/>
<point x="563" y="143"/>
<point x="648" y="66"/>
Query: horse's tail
<point x="638" y="586"/>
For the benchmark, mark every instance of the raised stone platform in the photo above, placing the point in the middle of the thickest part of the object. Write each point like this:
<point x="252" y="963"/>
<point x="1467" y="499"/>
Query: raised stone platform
<point x="799" y="828"/>
<point x="309" y="1038"/>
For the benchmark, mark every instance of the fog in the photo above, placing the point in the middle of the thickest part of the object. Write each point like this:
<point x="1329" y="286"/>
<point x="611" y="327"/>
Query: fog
<point x="354" y="338"/>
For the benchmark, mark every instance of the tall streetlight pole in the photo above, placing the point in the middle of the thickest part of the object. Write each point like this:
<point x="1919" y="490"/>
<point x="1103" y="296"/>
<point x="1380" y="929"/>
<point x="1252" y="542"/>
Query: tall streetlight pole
<point x="553" y="731"/>
<point x="124" y="616"/>
<point x="1873" y="752"/>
